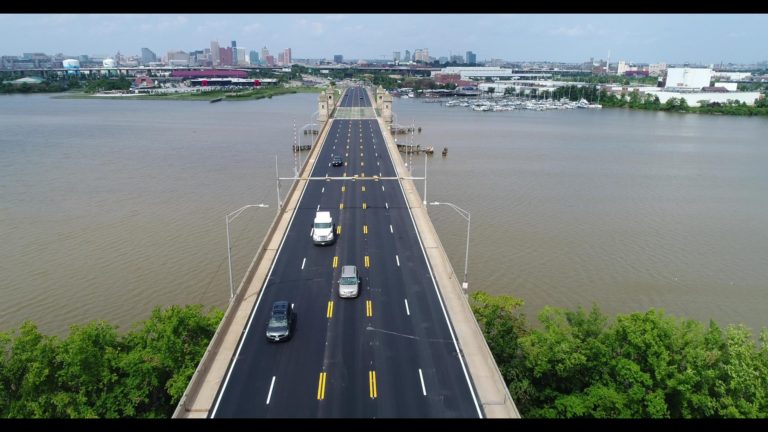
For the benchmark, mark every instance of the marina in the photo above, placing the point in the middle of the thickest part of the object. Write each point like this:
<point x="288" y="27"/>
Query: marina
<point x="517" y="103"/>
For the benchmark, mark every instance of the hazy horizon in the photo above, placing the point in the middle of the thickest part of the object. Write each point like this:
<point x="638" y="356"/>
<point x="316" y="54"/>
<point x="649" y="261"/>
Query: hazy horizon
<point x="571" y="38"/>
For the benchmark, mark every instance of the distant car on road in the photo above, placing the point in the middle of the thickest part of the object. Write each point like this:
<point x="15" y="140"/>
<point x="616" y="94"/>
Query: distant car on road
<point x="281" y="322"/>
<point x="337" y="161"/>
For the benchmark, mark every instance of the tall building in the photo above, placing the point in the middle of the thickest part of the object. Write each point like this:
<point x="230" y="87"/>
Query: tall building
<point x="407" y="57"/>
<point x="281" y="58"/>
<point x="178" y="58"/>
<point x="287" y="56"/>
<point x="457" y="58"/>
<point x="147" y="56"/>
<point x="197" y="58"/>
<point x="242" y="57"/>
<point x="254" y="60"/>
<point x="422" y="55"/>
<point x="264" y="53"/>
<point x="225" y="56"/>
<point x="215" y="53"/>
<point x="396" y="56"/>
<point x="338" y="58"/>
<point x="471" y="57"/>
<point x="270" y="60"/>
<point x="234" y="53"/>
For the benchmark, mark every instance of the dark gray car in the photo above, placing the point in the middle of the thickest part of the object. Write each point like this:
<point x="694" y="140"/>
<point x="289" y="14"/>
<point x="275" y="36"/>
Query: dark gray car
<point x="281" y="322"/>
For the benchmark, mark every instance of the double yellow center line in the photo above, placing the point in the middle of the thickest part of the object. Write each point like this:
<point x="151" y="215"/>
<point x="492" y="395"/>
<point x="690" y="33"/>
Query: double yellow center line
<point x="335" y="262"/>
<point x="372" y="384"/>
<point x="329" y="312"/>
<point x="321" y="386"/>
<point x="368" y="308"/>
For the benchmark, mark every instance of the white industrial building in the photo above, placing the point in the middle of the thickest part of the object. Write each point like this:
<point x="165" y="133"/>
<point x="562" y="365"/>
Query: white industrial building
<point x="688" y="78"/>
<point x="470" y="73"/>
<point x="730" y="86"/>
<point x="695" y="98"/>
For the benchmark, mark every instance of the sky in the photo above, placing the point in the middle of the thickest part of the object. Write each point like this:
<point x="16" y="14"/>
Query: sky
<point x="641" y="38"/>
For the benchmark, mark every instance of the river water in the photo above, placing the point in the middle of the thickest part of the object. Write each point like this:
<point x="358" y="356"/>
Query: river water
<point x="109" y="208"/>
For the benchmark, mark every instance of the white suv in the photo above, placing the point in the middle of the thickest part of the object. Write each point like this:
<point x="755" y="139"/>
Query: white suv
<point x="349" y="284"/>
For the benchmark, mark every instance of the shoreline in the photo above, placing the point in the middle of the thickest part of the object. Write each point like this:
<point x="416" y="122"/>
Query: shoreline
<point x="202" y="97"/>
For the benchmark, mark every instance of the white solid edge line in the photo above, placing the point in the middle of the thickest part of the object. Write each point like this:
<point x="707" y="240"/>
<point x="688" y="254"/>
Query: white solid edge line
<point x="423" y="389"/>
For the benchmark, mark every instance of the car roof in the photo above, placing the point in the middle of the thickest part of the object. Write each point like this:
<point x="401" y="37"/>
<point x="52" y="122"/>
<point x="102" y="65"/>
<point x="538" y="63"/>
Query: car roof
<point x="348" y="270"/>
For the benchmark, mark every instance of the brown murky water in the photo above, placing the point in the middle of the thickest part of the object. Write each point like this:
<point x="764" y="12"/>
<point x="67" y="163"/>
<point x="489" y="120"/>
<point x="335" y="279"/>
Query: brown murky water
<point x="109" y="208"/>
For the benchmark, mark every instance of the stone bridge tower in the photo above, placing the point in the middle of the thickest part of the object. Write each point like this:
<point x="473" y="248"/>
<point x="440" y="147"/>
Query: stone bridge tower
<point x="330" y="97"/>
<point x="326" y="102"/>
<point x="380" y="92"/>
<point x="386" y="107"/>
<point x="322" y="108"/>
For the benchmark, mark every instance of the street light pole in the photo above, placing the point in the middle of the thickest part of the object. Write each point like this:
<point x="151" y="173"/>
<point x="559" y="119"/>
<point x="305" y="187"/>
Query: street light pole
<point x="277" y="179"/>
<point x="295" y="152"/>
<point x="230" y="217"/>
<point x="425" y="181"/>
<point x="468" y="217"/>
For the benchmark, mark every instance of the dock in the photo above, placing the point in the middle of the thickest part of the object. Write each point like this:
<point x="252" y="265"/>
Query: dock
<point x="403" y="130"/>
<point x="416" y="149"/>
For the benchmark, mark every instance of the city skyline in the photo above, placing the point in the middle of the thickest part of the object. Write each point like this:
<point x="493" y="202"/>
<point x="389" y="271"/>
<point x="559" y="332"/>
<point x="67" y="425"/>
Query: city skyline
<point x="638" y="38"/>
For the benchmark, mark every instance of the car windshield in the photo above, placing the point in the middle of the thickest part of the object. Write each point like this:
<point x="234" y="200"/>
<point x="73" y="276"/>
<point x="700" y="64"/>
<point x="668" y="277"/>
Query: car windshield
<point x="322" y="225"/>
<point x="348" y="281"/>
<point x="278" y="321"/>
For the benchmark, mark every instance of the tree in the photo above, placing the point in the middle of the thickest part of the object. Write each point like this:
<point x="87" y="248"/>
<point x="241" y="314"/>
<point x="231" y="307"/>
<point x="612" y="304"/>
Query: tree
<point x="94" y="372"/>
<point x="29" y="363"/>
<point x="503" y="325"/>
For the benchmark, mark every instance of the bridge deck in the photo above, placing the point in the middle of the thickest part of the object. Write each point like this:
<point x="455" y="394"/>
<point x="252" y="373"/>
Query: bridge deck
<point x="391" y="352"/>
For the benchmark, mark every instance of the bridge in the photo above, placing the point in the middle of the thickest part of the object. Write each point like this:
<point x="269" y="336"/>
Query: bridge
<point x="407" y="346"/>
